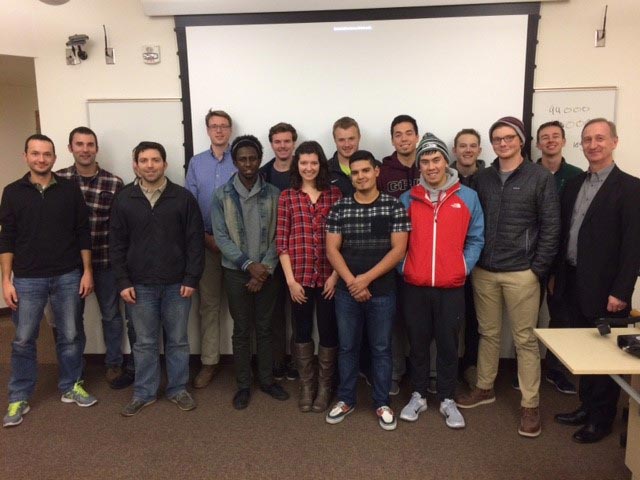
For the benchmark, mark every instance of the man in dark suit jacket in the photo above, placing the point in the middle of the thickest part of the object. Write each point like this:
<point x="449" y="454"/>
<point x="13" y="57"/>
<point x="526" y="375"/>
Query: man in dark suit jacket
<point x="598" y="262"/>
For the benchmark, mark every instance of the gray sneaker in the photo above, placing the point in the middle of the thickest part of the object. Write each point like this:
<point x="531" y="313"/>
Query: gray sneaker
<point x="415" y="407"/>
<point x="452" y="415"/>
<point x="134" y="406"/>
<point x="79" y="396"/>
<point x="14" y="413"/>
<point x="184" y="400"/>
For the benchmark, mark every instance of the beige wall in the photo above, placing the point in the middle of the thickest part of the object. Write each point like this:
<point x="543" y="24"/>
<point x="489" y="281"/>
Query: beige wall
<point x="566" y="57"/>
<point x="41" y="31"/>
<point x="18" y="105"/>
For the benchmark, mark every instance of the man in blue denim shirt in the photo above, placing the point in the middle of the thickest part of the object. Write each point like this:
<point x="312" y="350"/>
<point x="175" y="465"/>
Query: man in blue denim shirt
<point x="243" y="215"/>
<point x="208" y="171"/>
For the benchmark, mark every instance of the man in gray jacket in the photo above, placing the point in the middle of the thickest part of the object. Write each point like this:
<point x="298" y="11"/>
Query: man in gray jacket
<point x="522" y="227"/>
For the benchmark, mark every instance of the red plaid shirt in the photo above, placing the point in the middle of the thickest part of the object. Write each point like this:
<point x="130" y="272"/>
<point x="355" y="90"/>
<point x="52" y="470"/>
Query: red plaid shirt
<point x="301" y="234"/>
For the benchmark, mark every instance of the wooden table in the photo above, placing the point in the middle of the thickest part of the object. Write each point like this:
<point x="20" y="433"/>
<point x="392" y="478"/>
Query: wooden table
<point x="585" y="352"/>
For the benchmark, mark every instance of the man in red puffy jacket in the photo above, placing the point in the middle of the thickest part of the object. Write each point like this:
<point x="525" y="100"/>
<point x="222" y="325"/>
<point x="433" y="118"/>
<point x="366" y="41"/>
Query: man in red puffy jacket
<point x="447" y="236"/>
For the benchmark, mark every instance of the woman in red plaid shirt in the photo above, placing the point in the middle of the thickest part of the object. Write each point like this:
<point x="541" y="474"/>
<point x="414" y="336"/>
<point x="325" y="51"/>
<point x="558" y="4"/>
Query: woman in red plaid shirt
<point x="300" y="241"/>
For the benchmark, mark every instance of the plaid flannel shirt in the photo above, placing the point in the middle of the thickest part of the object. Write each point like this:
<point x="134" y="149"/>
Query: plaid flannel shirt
<point x="98" y="192"/>
<point x="301" y="234"/>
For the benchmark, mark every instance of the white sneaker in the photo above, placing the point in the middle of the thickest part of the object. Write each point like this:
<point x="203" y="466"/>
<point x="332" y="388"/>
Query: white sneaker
<point x="449" y="410"/>
<point x="386" y="418"/>
<point x="416" y="405"/>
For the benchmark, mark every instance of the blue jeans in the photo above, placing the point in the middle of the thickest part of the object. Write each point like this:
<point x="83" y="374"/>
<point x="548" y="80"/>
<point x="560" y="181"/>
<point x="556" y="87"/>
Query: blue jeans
<point x="377" y="315"/>
<point x="33" y="294"/>
<point x="109" y="302"/>
<point x="160" y="307"/>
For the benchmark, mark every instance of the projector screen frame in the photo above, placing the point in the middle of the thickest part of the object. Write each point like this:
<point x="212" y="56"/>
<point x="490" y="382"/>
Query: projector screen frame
<point x="531" y="9"/>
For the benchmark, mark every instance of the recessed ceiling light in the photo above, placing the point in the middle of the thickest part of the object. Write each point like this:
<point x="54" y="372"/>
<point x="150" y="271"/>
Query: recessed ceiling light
<point x="54" y="2"/>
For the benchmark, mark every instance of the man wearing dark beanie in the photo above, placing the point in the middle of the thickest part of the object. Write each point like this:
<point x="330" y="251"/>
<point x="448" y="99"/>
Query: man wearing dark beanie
<point x="522" y="227"/>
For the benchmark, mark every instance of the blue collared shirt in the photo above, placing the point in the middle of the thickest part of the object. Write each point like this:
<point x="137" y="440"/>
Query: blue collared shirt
<point x="205" y="174"/>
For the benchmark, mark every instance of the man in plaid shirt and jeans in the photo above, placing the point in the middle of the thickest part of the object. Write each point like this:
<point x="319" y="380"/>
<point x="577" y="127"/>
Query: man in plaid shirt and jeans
<point x="99" y="187"/>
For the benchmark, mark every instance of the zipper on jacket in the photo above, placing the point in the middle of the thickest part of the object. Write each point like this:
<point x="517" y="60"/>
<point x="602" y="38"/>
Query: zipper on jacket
<point x="435" y="232"/>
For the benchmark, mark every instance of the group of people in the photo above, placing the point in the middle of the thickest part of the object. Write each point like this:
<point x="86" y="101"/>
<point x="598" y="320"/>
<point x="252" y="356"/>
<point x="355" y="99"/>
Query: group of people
<point x="384" y="255"/>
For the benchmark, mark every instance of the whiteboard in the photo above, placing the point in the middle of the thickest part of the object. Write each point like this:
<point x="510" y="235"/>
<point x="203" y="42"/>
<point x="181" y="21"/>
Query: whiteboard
<point x="441" y="71"/>
<point x="121" y="124"/>
<point x="573" y="107"/>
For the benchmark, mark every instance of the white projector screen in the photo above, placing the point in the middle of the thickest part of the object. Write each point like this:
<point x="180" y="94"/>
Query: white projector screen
<point x="447" y="72"/>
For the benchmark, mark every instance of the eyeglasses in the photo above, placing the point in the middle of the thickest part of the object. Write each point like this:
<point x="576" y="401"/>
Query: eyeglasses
<point x="219" y="127"/>
<point x="507" y="139"/>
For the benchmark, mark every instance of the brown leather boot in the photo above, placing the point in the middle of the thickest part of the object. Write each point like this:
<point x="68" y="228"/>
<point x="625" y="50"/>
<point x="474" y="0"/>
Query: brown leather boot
<point x="326" y="367"/>
<point x="306" y="370"/>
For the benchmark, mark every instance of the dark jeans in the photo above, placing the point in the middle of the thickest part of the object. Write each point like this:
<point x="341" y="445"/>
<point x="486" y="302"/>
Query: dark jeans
<point x="109" y="302"/>
<point x="599" y="394"/>
<point x="248" y="308"/>
<point x="471" y="336"/>
<point x="377" y="316"/>
<point x="279" y="318"/>
<point x="434" y="313"/>
<point x="325" y="318"/>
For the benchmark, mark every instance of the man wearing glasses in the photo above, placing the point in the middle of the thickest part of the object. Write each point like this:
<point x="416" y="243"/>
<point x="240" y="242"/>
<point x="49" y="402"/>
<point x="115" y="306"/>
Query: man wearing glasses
<point x="522" y="227"/>
<point x="207" y="171"/>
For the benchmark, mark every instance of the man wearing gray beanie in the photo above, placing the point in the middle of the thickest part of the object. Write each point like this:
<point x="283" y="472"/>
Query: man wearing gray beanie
<point x="522" y="227"/>
<point x="435" y="269"/>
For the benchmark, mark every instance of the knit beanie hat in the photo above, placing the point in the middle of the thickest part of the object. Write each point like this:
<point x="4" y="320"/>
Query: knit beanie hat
<point x="430" y="143"/>
<point x="512" y="122"/>
<point x="246" y="141"/>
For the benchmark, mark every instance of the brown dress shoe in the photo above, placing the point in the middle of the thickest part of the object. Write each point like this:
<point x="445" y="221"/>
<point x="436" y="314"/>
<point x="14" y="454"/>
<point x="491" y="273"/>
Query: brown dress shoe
<point x="530" y="425"/>
<point x="204" y="376"/>
<point x="476" y="397"/>
<point x="113" y="373"/>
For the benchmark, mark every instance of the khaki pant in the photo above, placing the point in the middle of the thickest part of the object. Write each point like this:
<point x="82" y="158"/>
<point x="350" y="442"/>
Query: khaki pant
<point x="210" y="303"/>
<point x="520" y="292"/>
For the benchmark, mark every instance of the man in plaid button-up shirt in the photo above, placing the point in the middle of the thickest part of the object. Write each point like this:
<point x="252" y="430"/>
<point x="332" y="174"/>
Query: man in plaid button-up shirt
<point x="99" y="188"/>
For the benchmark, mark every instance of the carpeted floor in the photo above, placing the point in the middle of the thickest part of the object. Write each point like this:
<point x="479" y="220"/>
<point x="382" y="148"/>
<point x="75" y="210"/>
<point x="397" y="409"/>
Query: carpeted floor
<point x="272" y="439"/>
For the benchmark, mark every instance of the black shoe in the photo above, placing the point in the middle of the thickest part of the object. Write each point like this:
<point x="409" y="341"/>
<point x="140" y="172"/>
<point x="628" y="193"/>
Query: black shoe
<point x="279" y="371"/>
<point x="124" y="380"/>
<point x="275" y="390"/>
<point x="562" y="384"/>
<point x="591" y="433"/>
<point x="577" y="417"/>
<point x="241" y="399"/>
<point x="292" y="373"/>
<point x="515" y="383"/>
